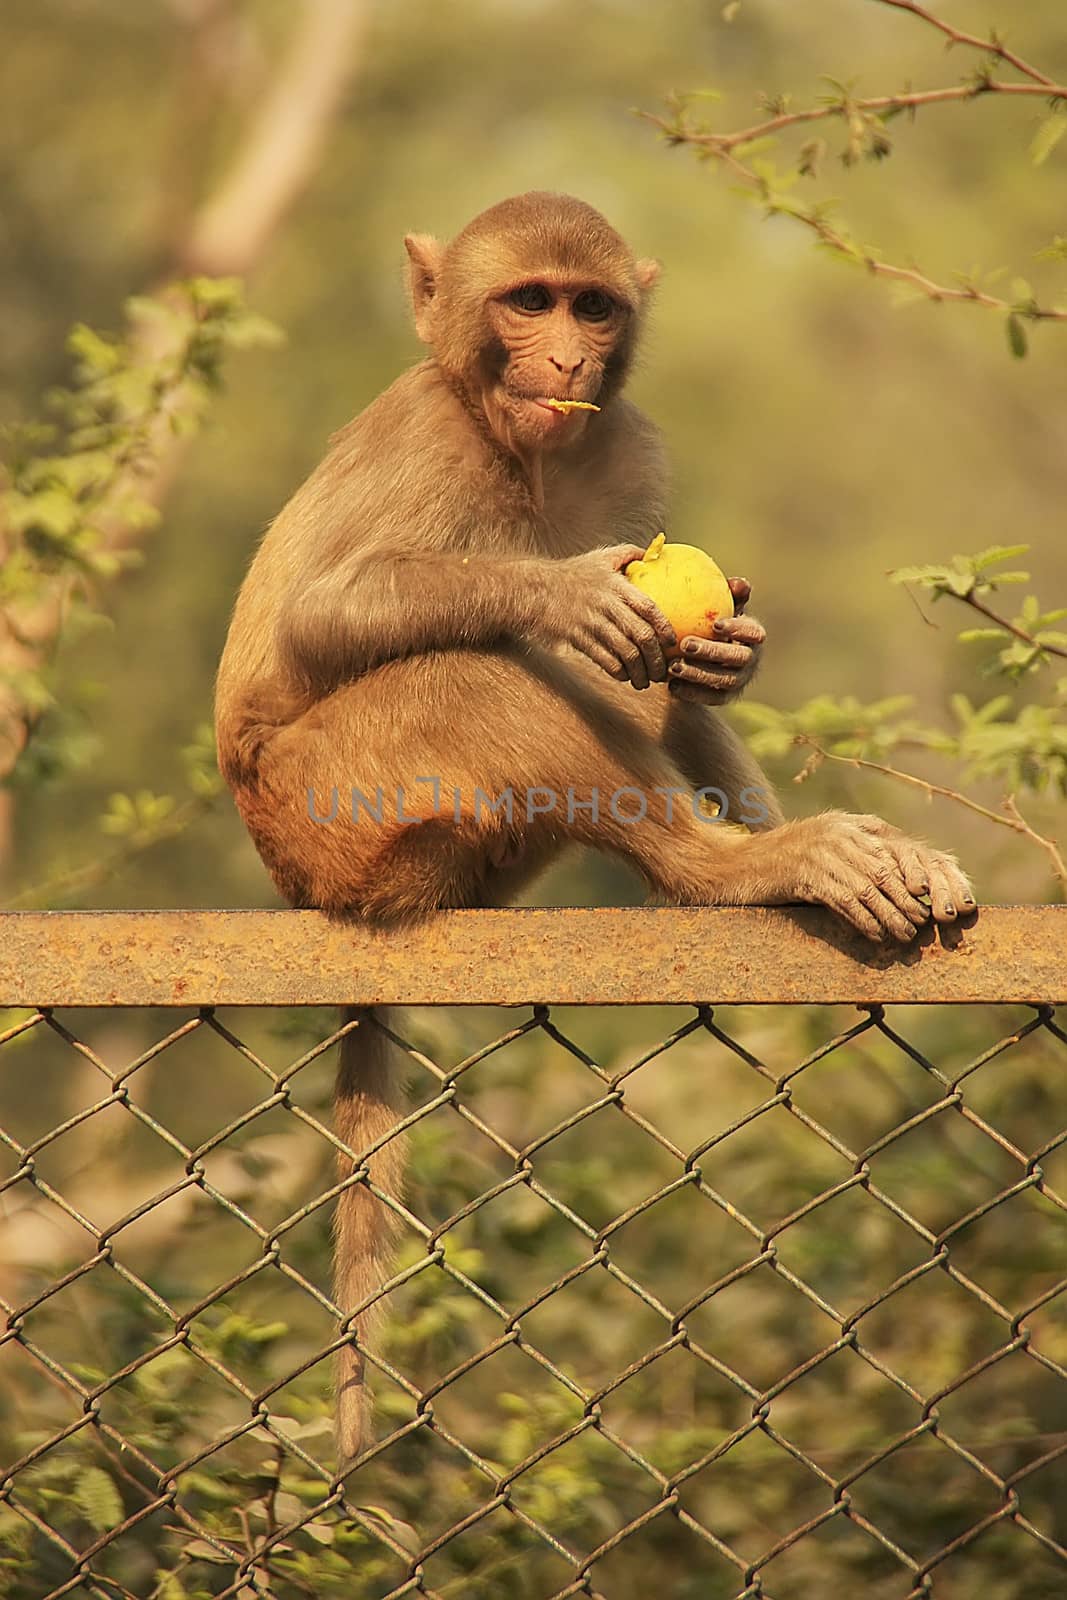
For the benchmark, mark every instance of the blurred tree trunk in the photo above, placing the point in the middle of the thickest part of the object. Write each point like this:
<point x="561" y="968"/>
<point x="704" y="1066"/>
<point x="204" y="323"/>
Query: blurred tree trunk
<point x="276" y="158"/>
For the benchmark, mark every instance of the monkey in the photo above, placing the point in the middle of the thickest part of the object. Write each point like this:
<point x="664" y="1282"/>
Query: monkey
<point x="438" y="620"/>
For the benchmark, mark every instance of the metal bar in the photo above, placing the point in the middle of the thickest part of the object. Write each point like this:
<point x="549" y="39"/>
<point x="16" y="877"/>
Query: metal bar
<point x="598" y="956"/>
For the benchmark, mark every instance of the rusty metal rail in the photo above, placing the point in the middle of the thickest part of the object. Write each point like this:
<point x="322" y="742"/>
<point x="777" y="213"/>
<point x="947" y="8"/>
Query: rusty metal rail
<point x="729" y="955"/>
<point x="744" y="1304"/>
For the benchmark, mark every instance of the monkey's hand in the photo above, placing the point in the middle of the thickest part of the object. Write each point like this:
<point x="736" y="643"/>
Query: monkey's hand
<point x="869" y="873"/>
<point x="593" y="608"/>
<point x="714" y="671"/>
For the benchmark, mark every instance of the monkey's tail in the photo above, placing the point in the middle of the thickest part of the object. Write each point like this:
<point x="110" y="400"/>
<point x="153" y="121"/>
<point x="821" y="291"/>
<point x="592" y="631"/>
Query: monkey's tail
<point x="368" y="1102"/>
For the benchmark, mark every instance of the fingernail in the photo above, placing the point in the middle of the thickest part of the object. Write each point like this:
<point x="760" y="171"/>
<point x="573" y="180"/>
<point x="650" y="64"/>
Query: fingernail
<point x="950" y="909"/>
<point x="690" y="649"/>
<point x="718" y="630"/>
<point x="967" y="902"/>
<point x="676" y="667"/>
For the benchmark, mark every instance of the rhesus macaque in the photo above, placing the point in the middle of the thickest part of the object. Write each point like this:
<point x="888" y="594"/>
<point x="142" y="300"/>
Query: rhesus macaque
<point x="438" y="618"/>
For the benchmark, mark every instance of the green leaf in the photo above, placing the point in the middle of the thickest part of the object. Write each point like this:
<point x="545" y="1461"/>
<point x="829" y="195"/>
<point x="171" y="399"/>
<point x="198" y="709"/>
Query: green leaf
<point x="1056" y="251"/>
<point x="95" y="354"/>
<point x="120" y="817"/>
<point x="1017" y="341"/>
<point x="203" y="1550"/>
<point x="97" y="1499"/>
<point x="321" y="1532"/>
<point x="1048" y="137"/>
<point x="997" y="552"/>
<point x="919" y="575"/>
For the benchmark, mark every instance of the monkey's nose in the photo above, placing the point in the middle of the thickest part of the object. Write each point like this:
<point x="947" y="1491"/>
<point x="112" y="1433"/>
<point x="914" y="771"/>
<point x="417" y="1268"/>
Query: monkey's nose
<point x="561" y="364"/>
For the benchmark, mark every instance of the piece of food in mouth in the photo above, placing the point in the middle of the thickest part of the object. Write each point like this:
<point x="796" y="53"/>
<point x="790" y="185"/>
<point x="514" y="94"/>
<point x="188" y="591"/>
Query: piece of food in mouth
<point x="568" y="405"/>
<point x="686" y="584"/>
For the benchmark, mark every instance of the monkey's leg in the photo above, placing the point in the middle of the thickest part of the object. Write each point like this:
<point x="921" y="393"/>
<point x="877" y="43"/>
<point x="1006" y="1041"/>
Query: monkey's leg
<point x="449" y="737"/>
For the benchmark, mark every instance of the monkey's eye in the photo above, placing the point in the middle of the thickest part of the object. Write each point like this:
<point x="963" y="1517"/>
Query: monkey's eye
<point x="593" y="304"/>
<point x="530" y="297"/>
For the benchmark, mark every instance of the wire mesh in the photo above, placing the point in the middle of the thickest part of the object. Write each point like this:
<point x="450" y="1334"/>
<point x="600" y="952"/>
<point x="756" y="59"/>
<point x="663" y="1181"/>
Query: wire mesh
<point x="770" y="1305"/>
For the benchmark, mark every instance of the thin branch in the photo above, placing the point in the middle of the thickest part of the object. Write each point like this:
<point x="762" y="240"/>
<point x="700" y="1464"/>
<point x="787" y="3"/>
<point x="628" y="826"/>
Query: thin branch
<point x="1013" y="820"/>
<point x="991" y="46"/>
<point x="1011" y="627"/>
<point x="1018" y="821"/>
<point x="870" y="105"/>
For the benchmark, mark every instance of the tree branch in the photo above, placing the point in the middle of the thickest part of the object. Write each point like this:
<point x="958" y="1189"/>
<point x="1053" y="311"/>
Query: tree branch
<point x="992" y="46"/>
<point x="1010" y="627"/>
<point x="283" y="143"/>
<point x="275" y="161"/>
<point x="870" y="105"/>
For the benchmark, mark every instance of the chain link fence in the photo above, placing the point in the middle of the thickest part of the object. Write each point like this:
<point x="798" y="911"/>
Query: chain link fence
<point x="755" y="1300"/>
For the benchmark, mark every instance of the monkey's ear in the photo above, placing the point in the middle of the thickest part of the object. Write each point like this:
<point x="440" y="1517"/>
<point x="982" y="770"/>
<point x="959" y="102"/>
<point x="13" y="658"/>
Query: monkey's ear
<point x="648" y="272"/>
<point x="424" y="254"/>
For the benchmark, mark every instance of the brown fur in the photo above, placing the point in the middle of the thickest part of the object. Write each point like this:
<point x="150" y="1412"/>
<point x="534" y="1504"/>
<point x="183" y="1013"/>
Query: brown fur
<point x="442" y="598"/>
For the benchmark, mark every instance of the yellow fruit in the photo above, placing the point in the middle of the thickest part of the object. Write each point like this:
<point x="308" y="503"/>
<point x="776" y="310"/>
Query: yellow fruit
<point x="690" y="590"/>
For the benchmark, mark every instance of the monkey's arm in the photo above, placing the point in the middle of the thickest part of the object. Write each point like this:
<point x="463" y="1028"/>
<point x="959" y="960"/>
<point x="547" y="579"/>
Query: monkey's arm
<point x="372" y="607"/>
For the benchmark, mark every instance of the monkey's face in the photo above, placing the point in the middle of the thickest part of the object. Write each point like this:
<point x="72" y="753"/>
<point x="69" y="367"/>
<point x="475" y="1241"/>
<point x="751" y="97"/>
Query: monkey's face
<point x="549" y="341"/>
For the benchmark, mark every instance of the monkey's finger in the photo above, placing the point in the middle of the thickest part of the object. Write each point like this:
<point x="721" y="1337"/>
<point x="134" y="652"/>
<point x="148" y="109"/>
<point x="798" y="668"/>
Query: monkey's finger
<point x="912" y="866"/>
<point x="917" y="862"/>
<point x="741" y="630"/>
<point x="644" y="637"/>
<point x="876" y="884"/>
<point x="962" y="887"/>
<point x="849" y="908"/>
<point x="892" y="882"/>
<point x="601" y="656"/>
<point x="942" y="903"/>
<point x="620" y="555"/>
<point x="641" y="632"/>
<point x="879" y="904"/>
<point x="948" y="888"/>
<point x="958" y="882"/>
<point x="724" y="681"/>
<point x="626" y="651"/>
<point x="710" y="652"/>
<point x="647" y="609"/>
<point x="741" y="589"/>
